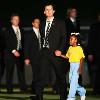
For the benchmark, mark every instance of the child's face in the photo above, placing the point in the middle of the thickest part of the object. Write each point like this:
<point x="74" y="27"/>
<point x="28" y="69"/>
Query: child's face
<point x="73" y="40"/>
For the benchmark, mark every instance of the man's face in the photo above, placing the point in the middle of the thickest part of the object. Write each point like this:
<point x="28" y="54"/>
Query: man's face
<point x="15" y="20"/>
<point x="49" y="12"/>
<point x="36" y="23"/>
<point x="73" y="13"/>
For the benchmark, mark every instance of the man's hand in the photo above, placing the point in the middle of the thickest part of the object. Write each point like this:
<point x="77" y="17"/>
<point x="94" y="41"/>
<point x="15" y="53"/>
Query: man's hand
<point x="58" y="53"/>
<point x="16" y="54"/>
<point x="90" y="58"/>
<point x="27" y="61"/>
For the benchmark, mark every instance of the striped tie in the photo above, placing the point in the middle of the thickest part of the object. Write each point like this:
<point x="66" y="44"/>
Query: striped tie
<point x="18" y="40"/>
<point x="46" y="44"/>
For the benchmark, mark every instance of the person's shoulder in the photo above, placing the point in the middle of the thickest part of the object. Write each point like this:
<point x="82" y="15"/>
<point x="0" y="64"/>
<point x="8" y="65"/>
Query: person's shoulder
<point x="8" y="29"/>
<point x="79" y="47"/>
<point x="70" y="47"/>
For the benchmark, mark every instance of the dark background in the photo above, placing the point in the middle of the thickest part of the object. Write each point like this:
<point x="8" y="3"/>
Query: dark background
<point x="28" y="9"/>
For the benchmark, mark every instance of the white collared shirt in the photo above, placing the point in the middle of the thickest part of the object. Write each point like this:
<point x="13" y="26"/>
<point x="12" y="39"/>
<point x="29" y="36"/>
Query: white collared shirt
<point x="47" y="21"/>
<point x="36" y="30"/>
<point x="72" y="19"/>
<point x="17" y="29"/>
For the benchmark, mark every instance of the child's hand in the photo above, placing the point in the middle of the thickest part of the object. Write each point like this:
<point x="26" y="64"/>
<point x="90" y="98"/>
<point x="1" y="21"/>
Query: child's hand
<point x="58" y="53"/>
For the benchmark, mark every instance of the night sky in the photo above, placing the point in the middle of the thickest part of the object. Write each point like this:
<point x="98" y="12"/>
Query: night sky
<point x="28" y="9"/>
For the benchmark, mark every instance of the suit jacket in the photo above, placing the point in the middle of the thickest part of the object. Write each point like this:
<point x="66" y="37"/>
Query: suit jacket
<point x="57" y="35"/>
<point x="94" y="40"/>
<point x="71" y="28"/>
<point x="11" y="41"/>
<point x="2" y="42"/>
<point x="31" y="45"/>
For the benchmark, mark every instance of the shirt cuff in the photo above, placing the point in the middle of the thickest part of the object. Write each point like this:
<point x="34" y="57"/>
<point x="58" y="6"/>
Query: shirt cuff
<point x="13" y="51"/>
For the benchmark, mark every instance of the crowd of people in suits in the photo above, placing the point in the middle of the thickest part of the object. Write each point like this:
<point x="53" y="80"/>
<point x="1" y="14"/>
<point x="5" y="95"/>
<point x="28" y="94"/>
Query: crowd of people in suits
<point x="37" y="47"/>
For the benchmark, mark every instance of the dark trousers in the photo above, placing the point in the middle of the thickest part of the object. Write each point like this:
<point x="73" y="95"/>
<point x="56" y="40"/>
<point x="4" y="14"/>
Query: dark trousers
<point x="96" y="86"/>
<point x="10" y="64"/>
<point x="35" y="71"/>
<point x="47" y="58"/>
<point x="2" y="65"/>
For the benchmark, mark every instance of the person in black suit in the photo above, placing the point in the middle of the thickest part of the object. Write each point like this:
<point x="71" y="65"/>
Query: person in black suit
<point x="72" y="22"/>
<point x="2" y="47"/>
<point x="32" y="47"/>
<point x="94" y="54"/>
<point x="53" y="35"/>
<point x="14" y="54"/>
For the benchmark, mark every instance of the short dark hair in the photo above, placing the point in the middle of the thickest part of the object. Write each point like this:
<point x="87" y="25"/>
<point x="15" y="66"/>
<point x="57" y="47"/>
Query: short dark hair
<point x="50" y="4"/>
<point x="13" y="15"/>
<point x="35" y="19"/>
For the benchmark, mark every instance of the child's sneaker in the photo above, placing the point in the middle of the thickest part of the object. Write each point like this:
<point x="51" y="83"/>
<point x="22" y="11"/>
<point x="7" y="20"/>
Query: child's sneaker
<point x="71" y="99"/>
<point x="83" y="97"/>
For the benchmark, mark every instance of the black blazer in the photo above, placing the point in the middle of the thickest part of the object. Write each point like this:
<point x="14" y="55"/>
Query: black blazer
<point x="71" y="28"/>
<point x="31" y="45"/>
<point x="57" y="35"/>
<point x="2" y="42"/>
<point x="11" y="41"/>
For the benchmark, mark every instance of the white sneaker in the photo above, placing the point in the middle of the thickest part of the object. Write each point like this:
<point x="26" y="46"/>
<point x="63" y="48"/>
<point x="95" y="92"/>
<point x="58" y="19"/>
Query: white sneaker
<point x="83" y="97"/>
<point x="71" y="99"/>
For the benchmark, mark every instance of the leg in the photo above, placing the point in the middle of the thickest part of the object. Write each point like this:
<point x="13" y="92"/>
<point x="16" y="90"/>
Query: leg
<point x="2" y="66"/>
<point x="61" y="77"/>
<point x="43" y="73"/>
<point x="73" y="79"/>
<point x="21" y="74"/>
<point x="9" y="64"/>
<point x="81" y="91"/>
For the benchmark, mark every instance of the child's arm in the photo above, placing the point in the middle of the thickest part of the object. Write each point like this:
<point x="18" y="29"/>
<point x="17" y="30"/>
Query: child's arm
<point x="63" y="56"/>
<point x="81" y="66"/>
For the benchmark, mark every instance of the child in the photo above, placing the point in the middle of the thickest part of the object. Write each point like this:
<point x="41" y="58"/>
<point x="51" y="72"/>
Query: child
<point x="75" y="55"/>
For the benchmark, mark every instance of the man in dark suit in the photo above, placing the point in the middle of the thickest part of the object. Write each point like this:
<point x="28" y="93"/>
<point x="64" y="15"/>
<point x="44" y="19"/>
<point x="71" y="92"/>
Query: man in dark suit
<point x="32" y="47"/>
<point x="2" y="47"/>
<point x="72" y="22"/>
<point x="94" y="54"/>
<point x="53" y="35"/>
<point x="14" y="54"/>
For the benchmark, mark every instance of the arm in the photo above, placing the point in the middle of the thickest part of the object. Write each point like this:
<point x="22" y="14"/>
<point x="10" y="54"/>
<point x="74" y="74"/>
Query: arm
<point x="26" y="48"/>
<point x="63" y="37"/>
<point x="91" y="43"/>
<point x="81" y="66"/>
<point x="63" y="56"/>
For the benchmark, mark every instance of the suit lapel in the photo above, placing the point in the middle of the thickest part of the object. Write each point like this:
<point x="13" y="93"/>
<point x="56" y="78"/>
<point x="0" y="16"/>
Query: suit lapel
<point x="34" y="34"/>
<point x="52" y="25"/>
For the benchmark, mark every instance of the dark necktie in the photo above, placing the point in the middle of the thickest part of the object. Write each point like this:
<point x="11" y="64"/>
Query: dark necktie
<point x="46" y="43"/>
<point x="39" y="38"/>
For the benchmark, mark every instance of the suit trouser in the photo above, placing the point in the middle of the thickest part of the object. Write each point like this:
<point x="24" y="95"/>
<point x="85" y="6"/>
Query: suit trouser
<point x="73" y="80"/>
<point x="10" y="64"/>
<point x="35" y="71"/>
<point x="96" y="86"/>
<point x="2" y="65"/>
<point x="46" y="60"/>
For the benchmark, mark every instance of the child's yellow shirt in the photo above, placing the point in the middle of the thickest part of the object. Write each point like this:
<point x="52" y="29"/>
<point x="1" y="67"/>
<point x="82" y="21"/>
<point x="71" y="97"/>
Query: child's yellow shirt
<point x="75" y="54"/>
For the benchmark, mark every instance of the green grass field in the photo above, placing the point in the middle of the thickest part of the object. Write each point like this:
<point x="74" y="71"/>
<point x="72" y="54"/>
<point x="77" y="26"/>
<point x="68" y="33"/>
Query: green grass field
<point x="48" y="95"/>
